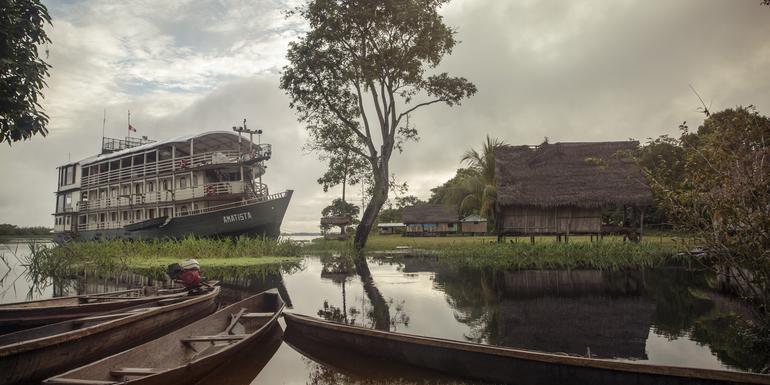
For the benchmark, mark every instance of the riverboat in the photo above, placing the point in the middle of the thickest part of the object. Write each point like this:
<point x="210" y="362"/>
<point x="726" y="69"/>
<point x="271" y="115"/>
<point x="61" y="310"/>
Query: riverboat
<point x="206" y="184"/>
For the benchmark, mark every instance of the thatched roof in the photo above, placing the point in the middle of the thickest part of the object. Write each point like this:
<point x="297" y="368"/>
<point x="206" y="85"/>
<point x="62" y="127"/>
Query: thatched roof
<point x="429" y="214"/>
<point x="587" y="174"/>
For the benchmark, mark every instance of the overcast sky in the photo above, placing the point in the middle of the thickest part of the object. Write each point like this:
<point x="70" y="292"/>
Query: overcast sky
<point x="571" y="71"/>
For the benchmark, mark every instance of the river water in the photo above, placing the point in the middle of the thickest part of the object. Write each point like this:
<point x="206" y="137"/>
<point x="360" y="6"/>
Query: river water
<point x="664" y="316"/>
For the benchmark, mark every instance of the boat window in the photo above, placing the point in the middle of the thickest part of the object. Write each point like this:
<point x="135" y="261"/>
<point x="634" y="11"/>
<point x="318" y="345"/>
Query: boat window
<point x="125" y="162"/>
<point x="115" y="165"/>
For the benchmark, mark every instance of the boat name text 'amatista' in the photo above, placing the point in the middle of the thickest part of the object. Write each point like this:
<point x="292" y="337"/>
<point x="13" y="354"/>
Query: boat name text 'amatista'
<point x="237" y="217"/>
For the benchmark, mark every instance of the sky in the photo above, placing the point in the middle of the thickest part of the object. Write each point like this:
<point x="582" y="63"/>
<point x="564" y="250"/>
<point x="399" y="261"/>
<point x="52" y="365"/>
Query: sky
<point x="570" y="71"/>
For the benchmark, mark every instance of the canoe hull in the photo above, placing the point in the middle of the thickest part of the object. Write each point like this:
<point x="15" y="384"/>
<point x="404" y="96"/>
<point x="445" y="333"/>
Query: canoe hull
<point x="189" y="367"/>
<point x="503" y="365"/>
<point x="20" y="318"/>
<point x="43" y="361"/>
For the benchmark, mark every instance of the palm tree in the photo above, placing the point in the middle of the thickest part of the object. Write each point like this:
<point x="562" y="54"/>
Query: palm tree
<point x="480" y="193"/>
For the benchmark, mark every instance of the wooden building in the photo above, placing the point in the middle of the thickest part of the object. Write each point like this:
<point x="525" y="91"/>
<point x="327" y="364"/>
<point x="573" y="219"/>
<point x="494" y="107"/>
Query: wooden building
<point x="430" y="220"/>
<point x="391" y="228"/>
<point x="561" y="188"/>
<point x="473" y="225"/>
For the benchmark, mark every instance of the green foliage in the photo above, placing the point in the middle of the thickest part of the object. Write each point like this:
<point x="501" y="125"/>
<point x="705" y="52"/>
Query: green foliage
<point x="8" y="229"/>
<point x="394" y="213"/>
<point x="152" y="257"/>
<point x="473" y="190"/>
<point x="609" y="254"/>
<point x="359" y="72"/>
<point x="719" y="192"/>
<point x="22" y="71"/>
<point x="340" y="208"/>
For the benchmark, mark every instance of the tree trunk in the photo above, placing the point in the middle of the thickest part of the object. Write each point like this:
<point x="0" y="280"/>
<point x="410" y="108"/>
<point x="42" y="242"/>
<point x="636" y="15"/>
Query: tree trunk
<point x="379" y="197"/>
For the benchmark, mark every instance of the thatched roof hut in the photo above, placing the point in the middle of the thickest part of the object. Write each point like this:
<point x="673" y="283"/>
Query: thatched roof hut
<point x="570" y="174"/>
<point x="559" y="188"/>
<point x="427" y="213"/>
<point x="427" y="219"/>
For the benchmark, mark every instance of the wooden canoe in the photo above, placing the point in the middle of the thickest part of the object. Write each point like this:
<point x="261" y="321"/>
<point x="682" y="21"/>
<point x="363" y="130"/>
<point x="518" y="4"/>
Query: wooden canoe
<point x="186" y="355"/>
<point x="34" y="354"/>
<point x="20" y="315"/>
<point x="504" y="365"/>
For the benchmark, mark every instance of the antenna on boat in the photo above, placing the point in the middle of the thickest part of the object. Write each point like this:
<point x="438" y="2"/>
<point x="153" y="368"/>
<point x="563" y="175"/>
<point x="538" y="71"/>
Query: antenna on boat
<point x="104" y="122"/>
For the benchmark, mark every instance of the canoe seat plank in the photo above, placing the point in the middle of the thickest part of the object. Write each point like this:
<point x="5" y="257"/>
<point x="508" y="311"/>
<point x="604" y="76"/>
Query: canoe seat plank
<point x="77" y="381"/>
<point x="221" y="337"/>
<point x="257" y="315"/>
<point x="118" y="372"/>
<point x="234" y="318"/>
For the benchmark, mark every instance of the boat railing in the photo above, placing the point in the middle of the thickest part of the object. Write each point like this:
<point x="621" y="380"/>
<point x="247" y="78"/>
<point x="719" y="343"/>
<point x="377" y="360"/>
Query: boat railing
<point x="177" y="164"/>
<point x="234" y="204"/>
<point x="192" y="192"/>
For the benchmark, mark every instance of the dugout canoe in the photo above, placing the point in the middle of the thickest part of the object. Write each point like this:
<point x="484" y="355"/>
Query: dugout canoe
<point x="34" y="354"/>
<point x="186" y="355"/>
<point x="502" y="365"/>
<point x="21" y="315"/>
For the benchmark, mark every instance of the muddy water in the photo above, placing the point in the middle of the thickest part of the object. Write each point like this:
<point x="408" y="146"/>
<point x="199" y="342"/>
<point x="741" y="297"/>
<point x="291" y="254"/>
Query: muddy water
<point x="665" y="316"/>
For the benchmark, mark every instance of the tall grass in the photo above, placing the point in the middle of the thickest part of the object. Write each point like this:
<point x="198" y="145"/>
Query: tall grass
<point x="609" y="254"/>
<point x="243" y="255"/>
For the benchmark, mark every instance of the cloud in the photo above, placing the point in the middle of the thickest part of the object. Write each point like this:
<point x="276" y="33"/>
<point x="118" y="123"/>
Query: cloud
<point x="571" y="71"/>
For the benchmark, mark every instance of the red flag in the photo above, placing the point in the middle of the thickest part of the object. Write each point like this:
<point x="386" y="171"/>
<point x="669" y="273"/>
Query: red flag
<point x="131" y="128"/>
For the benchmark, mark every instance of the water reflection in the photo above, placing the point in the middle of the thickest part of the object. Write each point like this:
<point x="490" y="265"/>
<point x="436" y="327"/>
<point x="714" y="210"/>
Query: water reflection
<point x="662" y="316"/>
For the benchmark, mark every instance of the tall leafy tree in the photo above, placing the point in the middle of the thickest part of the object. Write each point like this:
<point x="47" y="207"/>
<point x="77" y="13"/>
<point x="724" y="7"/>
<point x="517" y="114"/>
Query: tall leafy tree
<point x="359" y="72"/>
<point x="22" y="70"/>
<point x="721" y="198"/>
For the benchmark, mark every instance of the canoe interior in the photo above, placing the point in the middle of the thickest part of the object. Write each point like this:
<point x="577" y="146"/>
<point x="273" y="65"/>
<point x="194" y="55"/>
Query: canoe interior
<point x="504" y="365"/>
<point x="84" y="322"/>
<point x="56" y="349"/>
<point x="171" y="352"/>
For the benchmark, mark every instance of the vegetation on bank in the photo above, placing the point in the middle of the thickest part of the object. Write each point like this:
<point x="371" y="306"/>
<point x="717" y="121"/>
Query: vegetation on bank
<point x="7" y="229"/>
<point x="484" y="252"/>
<point x="242" y="255"/>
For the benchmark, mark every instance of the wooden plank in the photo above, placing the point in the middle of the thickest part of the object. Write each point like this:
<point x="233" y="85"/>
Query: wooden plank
<point x="101" y="317"/>
<point x="234" y="320"/>
<point x="221" y="337"/>
<point x="118" y="372"/>
<point x="257" y="315"/>
<point x="76" y="381"/>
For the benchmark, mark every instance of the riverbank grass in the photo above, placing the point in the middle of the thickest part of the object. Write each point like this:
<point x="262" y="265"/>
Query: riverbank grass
<point x="246" y="255"/>
<point x="611" y="253"/>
